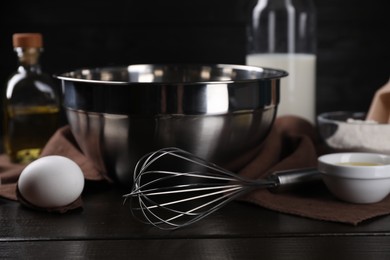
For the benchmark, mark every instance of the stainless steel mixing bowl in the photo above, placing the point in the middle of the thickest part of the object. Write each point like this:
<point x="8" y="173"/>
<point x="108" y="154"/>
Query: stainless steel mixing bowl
<point x="218" y="111"/>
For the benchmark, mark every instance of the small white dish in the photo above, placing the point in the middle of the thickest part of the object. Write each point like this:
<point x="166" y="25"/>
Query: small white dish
<point x="356" y="177"/>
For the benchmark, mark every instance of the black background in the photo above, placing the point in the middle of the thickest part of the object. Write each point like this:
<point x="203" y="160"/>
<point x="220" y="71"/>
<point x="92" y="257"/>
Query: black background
<point x="353" y="57"/>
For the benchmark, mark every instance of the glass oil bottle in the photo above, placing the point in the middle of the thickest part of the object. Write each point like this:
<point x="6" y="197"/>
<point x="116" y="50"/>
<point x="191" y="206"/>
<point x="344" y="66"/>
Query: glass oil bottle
<point x="31" y="102"/>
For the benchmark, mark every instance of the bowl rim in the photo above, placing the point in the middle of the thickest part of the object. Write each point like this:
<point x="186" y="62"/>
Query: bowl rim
<point x="324" y="118"/>
<point x="329" y="164"/>
<point x="66" y="76"/>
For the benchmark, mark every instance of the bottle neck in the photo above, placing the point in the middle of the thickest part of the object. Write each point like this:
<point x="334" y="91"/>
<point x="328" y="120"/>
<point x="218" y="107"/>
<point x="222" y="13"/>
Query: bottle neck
<point x="29" y="59"/>
<point x="282" y="26"/>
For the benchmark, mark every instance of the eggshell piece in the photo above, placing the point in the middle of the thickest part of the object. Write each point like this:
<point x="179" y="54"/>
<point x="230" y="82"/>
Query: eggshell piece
<point x="51" y="181"/>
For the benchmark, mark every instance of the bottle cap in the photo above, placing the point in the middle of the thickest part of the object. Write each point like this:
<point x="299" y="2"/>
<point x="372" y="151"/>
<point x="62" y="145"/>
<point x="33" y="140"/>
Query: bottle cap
<point x="27" y="40"/>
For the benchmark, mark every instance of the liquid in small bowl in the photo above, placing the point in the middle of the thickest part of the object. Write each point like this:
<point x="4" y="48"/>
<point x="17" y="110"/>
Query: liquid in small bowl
<point x="360" y="164"/>
<point x="356" y="177"/>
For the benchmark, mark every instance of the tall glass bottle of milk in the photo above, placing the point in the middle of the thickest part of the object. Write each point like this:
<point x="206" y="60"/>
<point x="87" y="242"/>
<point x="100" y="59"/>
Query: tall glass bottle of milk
<point x="282" y="35"/>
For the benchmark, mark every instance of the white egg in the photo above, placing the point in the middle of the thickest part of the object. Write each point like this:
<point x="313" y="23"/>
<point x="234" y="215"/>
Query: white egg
<point x="51" y="181"/>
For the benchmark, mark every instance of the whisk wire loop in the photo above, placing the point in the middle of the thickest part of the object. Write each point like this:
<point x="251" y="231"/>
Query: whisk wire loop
<point x="169" y="199"/>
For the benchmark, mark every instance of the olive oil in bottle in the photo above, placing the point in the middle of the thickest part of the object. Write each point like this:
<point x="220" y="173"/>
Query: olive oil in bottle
<point x="31" y="102"/>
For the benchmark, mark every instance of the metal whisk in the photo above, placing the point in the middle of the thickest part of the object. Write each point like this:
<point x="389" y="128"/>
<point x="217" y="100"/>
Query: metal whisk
<point x="173" y="188"/>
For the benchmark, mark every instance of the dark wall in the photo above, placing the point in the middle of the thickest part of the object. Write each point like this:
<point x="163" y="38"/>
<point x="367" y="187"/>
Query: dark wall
<point x="353" y="39"/>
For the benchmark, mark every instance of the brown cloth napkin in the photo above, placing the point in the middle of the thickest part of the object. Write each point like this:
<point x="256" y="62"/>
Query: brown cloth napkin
<point x="291" y="144"/>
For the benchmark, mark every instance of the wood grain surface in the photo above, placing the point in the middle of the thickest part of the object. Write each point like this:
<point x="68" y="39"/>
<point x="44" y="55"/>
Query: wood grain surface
<point x="105" y="228"/>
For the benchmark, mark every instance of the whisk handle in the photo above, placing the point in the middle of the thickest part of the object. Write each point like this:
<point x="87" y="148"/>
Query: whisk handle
<point x="294" y="179"/>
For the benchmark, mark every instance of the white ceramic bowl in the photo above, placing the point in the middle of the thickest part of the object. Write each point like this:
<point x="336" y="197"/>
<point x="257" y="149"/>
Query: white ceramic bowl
<point x="368" y="182"/>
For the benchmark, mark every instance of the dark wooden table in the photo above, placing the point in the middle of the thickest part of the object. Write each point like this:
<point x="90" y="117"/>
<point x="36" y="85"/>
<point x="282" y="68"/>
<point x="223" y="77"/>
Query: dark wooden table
<point x="105" y="229"/>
